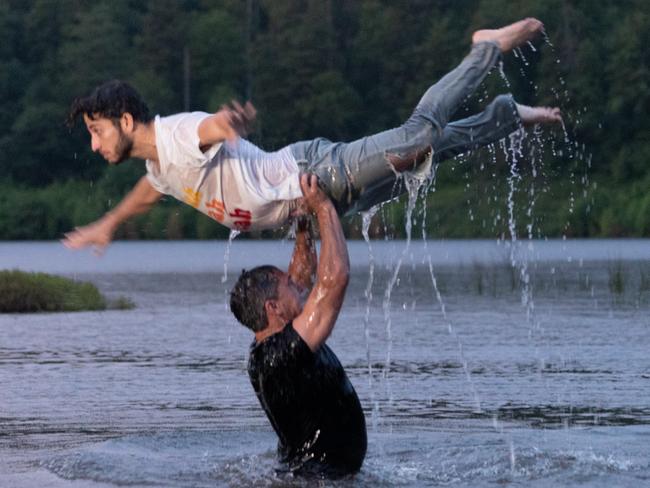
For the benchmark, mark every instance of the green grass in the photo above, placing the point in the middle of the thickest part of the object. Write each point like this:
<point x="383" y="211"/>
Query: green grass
<point x="617" y="278"/>
<point x="40" y="292"/>
<point x="121" y="303"/>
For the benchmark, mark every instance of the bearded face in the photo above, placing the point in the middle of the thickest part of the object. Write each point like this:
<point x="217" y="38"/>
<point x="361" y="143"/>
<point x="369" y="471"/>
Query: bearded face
<point x="108" y="139"/>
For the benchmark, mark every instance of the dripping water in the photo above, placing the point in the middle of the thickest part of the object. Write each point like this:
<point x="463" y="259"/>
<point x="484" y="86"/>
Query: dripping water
<point x="443" y="309"/>
<point x="413" y="185"/>
<point x="452" y="331"/>
<point x="366" y="220"/>
<point x="226" y="258"/>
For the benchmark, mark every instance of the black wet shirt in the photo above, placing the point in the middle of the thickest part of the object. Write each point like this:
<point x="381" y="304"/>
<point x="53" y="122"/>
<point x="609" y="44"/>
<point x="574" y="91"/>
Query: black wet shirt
<point x="311" y="404"/>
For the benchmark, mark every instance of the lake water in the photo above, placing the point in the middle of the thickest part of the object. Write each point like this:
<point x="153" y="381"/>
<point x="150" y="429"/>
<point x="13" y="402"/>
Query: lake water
<point x="531" y="367"/>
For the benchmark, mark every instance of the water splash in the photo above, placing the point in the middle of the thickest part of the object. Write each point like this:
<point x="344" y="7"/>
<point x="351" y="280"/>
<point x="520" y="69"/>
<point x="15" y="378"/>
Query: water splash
<point x="226" y="258"/>
<point x="518" y="52"/>
<point x="513" y="457"/>
<point x="502" y="73"/>
<point x="452" y="332"/>
<point x="513" y="152"/>
<point x="366" y="220"/>
<point x="430" y="187"/>
<point x="518" y="253"/>
<point x="561" y="96"/>
<point x="413" y="184"/>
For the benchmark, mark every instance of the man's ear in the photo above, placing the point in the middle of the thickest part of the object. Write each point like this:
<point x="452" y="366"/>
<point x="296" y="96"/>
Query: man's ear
<point x="271" y="308"/>
<point x="126" y="122"/>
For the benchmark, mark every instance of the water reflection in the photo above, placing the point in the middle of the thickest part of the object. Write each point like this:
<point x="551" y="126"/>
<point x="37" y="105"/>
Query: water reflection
<point x="162" y="388"/>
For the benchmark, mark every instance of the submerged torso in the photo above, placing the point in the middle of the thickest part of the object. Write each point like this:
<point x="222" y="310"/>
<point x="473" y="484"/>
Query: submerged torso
<point x="311" y="404"/>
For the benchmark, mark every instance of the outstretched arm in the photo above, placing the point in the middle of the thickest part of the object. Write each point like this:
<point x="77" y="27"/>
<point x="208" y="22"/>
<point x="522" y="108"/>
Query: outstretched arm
<point x="99" y="234"/>
<point x="317" y="319"/>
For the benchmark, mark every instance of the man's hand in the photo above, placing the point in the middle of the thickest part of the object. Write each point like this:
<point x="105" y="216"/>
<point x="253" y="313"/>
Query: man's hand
<point x="99" y="234"/>
<point x="235" y="120"/>
<point x="313" y="197"/>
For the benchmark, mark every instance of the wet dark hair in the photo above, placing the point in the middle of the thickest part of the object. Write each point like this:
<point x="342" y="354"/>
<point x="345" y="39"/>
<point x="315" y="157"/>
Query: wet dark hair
<point x="250" y="293"/>
<point x="110" y="100"/>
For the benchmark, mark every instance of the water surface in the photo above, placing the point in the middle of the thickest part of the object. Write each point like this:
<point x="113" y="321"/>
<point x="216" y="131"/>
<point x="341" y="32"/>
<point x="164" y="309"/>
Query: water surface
<point x="545" y="384"/>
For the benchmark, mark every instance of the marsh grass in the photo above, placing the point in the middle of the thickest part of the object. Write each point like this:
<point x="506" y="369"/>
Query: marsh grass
<point x="478" y="273"/>
<point x="644" y="279"/>
<point x="121" y="303"/>
<point x="617" y="278"/>
<point x="40" y="292"/>
<point x="644" y="284"/>
<point x="620" y="281"/>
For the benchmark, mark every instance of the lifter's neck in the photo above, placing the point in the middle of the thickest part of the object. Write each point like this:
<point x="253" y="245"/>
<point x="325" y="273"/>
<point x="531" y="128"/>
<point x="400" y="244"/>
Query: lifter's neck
<point x="269" y="331"/>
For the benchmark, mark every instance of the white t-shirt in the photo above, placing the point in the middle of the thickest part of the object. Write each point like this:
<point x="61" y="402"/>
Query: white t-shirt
<point x="237" y="184"/>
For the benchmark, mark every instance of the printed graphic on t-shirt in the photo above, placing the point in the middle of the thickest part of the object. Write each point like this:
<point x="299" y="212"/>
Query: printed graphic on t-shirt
<point x="192" y="197"/>
<point x="241" y="219"/>
<point x="238" y="185"/>
<point x="244" y="219"/>
<point x="216" y="209"/>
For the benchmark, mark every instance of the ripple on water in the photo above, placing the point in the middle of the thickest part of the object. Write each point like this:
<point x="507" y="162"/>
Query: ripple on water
<point x="460" y="456"/>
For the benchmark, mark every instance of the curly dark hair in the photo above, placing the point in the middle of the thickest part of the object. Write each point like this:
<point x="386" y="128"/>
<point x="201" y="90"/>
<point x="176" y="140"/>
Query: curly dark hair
<point x="111" y="100"/>
<point x="250" y="293"/>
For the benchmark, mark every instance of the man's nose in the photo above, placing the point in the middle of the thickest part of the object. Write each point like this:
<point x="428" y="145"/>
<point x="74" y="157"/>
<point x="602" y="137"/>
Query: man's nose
<point x="94" y="144"/>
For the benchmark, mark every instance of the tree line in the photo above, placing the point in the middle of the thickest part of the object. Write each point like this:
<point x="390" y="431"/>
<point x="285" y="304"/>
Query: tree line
<point x="338" y="69"/>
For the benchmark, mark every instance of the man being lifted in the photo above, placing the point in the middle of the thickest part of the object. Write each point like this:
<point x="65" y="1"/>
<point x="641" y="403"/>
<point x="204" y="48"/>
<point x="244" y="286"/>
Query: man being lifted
<point x="201" y="159"/>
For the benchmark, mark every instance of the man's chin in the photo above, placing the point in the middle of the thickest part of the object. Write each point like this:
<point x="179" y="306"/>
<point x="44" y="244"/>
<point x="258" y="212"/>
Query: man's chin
<point x="117" y="161"/>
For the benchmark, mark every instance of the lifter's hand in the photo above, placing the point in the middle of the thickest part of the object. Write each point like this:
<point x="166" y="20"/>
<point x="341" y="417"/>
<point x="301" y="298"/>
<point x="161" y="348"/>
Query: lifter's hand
<point x="99" y="235"/>
<point x="313" y="197"/>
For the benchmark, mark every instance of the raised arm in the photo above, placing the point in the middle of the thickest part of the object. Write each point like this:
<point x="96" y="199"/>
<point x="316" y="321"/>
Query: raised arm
<point x="99" y="234"/>
<point x="227" y="124"/>
<point x="302" y="268"/>
<point x="317" y="319"/>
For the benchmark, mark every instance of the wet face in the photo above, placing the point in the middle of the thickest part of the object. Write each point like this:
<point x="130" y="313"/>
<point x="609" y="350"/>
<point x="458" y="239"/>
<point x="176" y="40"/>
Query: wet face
<point x="108" y="139"/>
<point x="291" y="298"/>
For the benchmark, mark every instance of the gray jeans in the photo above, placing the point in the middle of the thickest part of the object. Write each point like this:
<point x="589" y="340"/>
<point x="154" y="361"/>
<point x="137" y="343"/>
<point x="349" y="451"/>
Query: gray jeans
<point x="360" y="174"/>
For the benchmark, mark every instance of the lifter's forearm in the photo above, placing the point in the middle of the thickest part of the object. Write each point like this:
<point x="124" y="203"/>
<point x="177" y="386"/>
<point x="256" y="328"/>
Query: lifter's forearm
<point x="302" y="268"/>
<point x="334" y="264"/>
<point x="318" y="316"/>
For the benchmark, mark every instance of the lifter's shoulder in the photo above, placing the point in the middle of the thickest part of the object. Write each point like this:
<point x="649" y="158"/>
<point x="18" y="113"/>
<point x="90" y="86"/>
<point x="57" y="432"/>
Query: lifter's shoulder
<point x="281" y="349"/>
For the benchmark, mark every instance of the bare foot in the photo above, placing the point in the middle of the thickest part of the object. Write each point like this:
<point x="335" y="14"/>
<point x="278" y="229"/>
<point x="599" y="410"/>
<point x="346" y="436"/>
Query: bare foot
<point x="539" y="115"/>
<point x="510" y="36"/>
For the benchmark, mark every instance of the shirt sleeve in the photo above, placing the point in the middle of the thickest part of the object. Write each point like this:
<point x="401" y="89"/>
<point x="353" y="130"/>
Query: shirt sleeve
<point x="182" y="142"/>
<point x="296" y="346"/>
<point x="154" y="179"/>
<point x="286" y="350"/>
